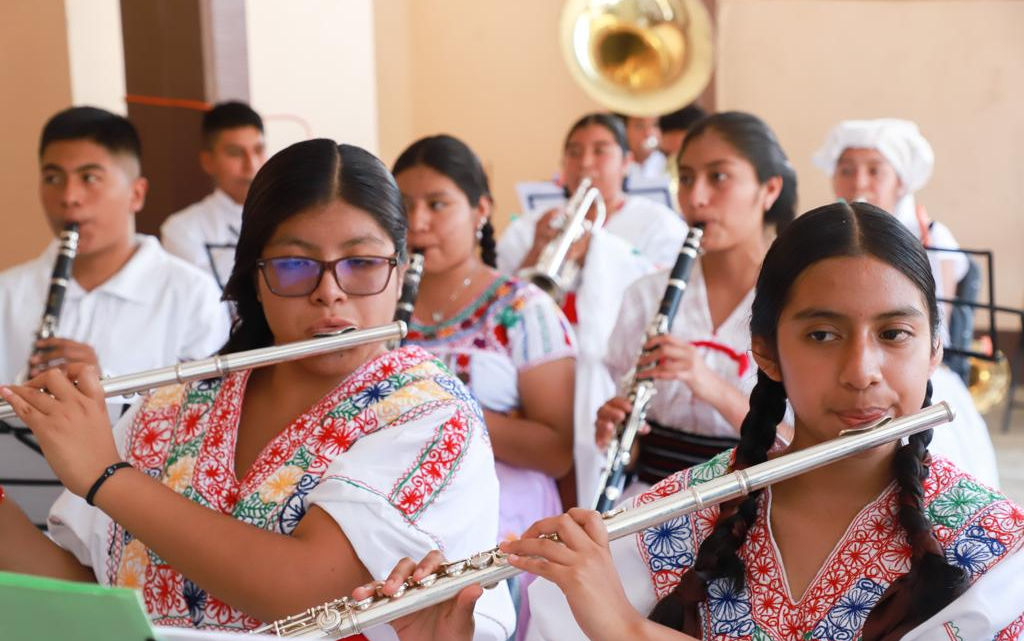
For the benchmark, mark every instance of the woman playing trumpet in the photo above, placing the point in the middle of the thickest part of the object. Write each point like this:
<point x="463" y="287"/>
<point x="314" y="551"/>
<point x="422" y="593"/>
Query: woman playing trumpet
<point x="237" y="500"/>
<point x="889" y="544"/>
<point x="638" y="235"/>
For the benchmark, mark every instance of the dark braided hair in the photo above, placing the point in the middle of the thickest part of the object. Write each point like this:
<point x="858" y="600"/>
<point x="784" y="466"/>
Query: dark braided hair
<point x="718" y="556"/>
<point x="835" y="230"/>
<point x="488" y="246"/>
<point x="449" y="156"/>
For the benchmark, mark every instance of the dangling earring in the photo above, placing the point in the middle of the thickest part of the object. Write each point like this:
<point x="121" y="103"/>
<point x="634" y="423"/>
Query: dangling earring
<point x="480" y="230"/>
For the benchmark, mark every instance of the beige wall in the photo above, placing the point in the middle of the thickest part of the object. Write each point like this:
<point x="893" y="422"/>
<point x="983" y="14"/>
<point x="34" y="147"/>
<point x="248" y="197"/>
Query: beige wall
<point x="312" y="70"/>
<point x="96" y="54"/>
<point x="36" y="78"/>
<point x="956" y="67"/>
<point x="490" y="73"/>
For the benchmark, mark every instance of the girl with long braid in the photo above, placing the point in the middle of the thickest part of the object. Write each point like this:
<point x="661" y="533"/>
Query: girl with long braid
<point x="890" y="544"/>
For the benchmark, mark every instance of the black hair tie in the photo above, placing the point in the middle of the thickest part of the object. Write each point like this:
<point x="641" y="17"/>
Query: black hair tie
<point x="107" y="473"/>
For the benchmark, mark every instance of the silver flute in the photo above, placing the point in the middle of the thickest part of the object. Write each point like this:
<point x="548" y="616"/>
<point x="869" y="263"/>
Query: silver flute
<point x="221" y="365"/>
<point x="345" y="617"/>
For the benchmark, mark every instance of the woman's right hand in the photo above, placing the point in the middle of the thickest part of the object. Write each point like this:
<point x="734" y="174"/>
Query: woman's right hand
<point x="452" y="619"/>
<point x="611" y="414"/>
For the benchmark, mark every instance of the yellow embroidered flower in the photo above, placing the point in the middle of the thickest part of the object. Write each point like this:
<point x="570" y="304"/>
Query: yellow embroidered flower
<point x="179" y="475"/>
<point x="132" y="573"/>
<point x="280" y="484"/>
<point x="166" y="396"/>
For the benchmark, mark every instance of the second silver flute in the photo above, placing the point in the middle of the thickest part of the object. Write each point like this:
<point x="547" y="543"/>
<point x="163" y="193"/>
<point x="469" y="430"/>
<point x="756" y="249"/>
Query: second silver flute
<point x="345" y="617"/>
<point x="222" y="365"/>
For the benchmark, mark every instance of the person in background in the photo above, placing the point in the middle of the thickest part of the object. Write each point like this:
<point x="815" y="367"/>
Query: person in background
<point x="673" y="127"/>
<point x="884" y="162"/>
<point x="205" y="232"/>
<point x="129" y="305"/>
<point x="644" y="138"/>
<point x="596" y="147"/>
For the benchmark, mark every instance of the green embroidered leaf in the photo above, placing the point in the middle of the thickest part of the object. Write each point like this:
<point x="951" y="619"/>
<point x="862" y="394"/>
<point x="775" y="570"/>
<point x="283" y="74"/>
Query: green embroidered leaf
<point x="953" y="507"/>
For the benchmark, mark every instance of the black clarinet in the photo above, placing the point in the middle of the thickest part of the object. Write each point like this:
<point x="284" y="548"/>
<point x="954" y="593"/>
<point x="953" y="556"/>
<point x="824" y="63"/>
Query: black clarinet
<point x="641" y="392"/>
<point x="58" y="284"/>
<point x="410" y="288"/>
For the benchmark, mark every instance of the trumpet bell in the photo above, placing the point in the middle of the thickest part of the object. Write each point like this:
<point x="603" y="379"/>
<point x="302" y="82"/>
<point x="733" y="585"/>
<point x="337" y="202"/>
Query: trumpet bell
<point x="639" y="57"/>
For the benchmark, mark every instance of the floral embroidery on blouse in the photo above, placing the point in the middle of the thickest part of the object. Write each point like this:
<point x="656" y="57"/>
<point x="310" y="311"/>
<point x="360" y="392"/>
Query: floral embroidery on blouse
<point x="511" y="317"/>
<point x="185" y="437"/>
<point x="975" y="526"/>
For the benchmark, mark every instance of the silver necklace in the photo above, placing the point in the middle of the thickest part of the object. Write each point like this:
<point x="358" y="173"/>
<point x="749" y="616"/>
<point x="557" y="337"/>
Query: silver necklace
<point x="439" y="315"/>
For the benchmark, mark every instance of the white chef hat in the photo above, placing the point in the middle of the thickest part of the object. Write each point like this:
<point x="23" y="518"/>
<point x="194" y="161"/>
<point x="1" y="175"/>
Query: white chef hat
<point x="898" y="140"/>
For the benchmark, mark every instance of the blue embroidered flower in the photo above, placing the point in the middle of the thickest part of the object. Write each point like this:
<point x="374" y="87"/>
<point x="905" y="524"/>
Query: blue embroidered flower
<point x="295" y="507"/>
<point x="195" y="601"/>
<point x="975" y="550"/>
<point x="844" y="621"/>
<point x="373" y="394"/>
<point x="669" y="544"/>
<point x="730" y="609"/>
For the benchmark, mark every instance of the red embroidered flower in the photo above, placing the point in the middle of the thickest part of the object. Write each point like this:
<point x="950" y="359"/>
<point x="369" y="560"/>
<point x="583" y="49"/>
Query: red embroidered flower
<point x="221" y="612"/>
<point x="150" y="442"/>
<point x="191" y="422"/>
<point x="501" y="334"/>
<point x="163" y="591"/>
<point x="333" y="438"/>
<point x="410" y="500"/>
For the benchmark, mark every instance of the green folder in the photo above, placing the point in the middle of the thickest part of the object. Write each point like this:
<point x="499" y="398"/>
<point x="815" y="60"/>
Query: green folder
<point x="35" y="608"/>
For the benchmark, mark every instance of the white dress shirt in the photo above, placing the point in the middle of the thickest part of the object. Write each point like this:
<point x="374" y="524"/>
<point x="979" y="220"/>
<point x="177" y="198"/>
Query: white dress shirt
<point x="654" y="229"/>
<point x="205" y="234"/>
<point x="156" y="311"/>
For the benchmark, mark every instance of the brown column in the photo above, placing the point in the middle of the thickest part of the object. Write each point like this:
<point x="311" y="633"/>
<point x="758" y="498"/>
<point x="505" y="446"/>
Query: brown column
<point x="180" y="56"/>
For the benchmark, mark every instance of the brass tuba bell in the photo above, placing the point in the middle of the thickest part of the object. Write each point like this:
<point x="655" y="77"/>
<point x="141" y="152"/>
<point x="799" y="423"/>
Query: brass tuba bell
<point x="638" y="57"/>
<point x="989" y="379"/>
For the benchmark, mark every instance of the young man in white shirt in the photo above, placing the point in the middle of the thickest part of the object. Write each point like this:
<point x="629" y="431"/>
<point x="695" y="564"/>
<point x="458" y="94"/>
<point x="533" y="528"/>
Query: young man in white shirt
<point x="205" y="232"/>
<point x="129" y="305"/>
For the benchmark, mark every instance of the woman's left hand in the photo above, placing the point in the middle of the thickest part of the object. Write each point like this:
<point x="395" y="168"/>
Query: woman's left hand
<point x="671" y="359"/>
<point x="68" y="416"/>
<point x="451" y="619"/>
<point x="581" y="565"/>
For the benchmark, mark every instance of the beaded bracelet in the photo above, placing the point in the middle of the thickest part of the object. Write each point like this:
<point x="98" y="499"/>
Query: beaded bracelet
<point x="107" y="473"/>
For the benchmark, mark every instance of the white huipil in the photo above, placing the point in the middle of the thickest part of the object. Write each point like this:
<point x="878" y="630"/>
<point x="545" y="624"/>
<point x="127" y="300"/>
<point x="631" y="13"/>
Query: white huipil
<point x="979" y="530"/>
<point x="156" y="311"/>
<point x="654" y="229"/>
<point x="205" y="234"/>
<point x="397" y="455"/>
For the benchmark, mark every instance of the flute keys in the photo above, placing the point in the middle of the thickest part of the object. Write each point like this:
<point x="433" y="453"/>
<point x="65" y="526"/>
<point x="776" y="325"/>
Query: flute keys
<point x="481" y="560"/>
<point x="455" y="568"/>
<point x="427" y="581"/>
<point x="328" y="618"/>
<point x="363" y="604"/>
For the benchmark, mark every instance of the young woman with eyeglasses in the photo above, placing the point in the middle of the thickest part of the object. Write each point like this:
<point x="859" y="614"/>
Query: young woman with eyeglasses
<point x="259" y="494"/>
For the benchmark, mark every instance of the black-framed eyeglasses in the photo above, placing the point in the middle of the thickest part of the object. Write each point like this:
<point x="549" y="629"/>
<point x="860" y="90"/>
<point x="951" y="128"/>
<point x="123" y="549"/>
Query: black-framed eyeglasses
<point x="300" y="275"/>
